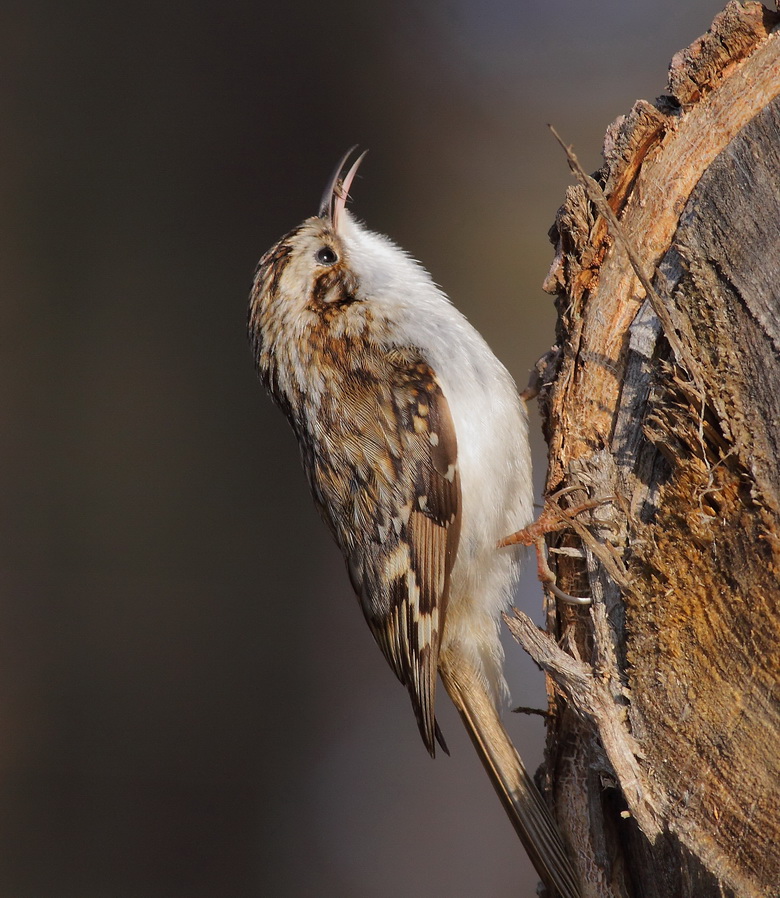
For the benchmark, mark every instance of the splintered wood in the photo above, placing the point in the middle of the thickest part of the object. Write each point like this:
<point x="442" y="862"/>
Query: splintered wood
<point x="676" y="748"/>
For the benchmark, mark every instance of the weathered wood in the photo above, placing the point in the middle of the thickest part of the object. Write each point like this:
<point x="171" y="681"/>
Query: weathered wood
<point x="663" y="760"/>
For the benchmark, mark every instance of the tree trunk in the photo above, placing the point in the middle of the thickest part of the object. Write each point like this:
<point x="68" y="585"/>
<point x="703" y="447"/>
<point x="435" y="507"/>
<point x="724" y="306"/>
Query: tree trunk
<point x="663" y="751"/>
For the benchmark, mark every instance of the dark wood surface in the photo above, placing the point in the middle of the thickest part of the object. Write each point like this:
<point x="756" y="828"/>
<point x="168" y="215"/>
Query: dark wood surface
<point x="667" y="780"/>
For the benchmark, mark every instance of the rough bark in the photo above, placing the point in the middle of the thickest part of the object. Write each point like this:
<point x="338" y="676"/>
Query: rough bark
<point x="663" y="754"/>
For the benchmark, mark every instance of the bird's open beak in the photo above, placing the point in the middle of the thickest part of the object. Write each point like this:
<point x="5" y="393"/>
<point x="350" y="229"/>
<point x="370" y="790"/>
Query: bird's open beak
<point x="334" y="200"/>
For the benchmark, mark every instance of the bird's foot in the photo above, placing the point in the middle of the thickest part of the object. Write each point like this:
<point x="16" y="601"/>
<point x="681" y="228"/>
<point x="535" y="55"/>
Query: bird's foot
<point x="552" y="519"/>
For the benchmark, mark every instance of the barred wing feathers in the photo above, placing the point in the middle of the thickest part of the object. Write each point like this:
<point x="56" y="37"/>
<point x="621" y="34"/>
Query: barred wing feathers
<point x="387" y="483"/>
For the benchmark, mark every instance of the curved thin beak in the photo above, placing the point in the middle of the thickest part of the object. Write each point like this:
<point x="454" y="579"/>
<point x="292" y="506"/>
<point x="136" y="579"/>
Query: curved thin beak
<point x="334" y="200"/>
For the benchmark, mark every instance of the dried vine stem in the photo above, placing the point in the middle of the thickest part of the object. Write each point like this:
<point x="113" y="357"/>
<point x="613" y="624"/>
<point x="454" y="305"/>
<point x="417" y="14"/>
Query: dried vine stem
<point x="658" y="303"/>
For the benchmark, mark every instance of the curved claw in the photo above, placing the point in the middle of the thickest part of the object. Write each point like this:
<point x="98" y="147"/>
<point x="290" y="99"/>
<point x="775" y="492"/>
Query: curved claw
<point x="565" y="597"/>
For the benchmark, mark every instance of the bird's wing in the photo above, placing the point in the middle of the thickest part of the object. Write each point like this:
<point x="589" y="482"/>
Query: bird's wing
<point x="391" y="493"/>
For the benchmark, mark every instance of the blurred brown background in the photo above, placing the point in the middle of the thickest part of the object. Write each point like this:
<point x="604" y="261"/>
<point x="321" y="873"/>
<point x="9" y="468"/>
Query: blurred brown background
<point x="190" y="703"/>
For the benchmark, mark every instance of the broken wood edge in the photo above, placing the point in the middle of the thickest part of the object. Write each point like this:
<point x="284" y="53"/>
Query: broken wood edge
<point x="645" y="153"/>
<point x="679" y="147"/>
<point x="593" y="697"/>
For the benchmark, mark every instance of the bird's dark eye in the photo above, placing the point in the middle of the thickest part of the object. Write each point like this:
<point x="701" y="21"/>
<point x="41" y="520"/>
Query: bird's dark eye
<point x="326" y="256"/>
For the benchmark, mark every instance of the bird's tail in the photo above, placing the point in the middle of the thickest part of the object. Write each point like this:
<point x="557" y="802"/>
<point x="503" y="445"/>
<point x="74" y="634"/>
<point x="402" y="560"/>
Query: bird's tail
<point x="522" y="801"/>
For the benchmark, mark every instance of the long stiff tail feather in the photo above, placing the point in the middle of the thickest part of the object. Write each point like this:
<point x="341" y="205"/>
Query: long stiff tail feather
<point x="522" y="801"/>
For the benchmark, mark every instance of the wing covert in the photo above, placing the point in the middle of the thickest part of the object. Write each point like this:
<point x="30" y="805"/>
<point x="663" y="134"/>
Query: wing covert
<point x="397" y="515"/>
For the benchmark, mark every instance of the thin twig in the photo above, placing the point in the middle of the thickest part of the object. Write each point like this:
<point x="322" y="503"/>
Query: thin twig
<point x="596" y="196"/>
<point x="522" y="709"/>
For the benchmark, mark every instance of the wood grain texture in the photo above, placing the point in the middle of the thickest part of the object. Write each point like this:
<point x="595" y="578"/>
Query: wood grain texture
<point x="663" y="759"/>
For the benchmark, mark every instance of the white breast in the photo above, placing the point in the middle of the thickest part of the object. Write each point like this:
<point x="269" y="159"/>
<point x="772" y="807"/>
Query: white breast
<point x="492" y="431"/>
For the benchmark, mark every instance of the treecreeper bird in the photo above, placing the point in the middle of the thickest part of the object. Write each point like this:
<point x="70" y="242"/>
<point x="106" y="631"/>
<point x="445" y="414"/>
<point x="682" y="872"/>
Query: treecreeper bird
<point x="415" y="444"/>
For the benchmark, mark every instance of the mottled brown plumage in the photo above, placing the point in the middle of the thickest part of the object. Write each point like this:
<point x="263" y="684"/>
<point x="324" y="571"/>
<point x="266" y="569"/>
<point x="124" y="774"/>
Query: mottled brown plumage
<point x="384" y="475"/>
<point x="415" y="445"/>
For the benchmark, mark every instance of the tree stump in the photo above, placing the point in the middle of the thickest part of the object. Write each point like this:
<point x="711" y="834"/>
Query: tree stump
<point x="663" y="754"/>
